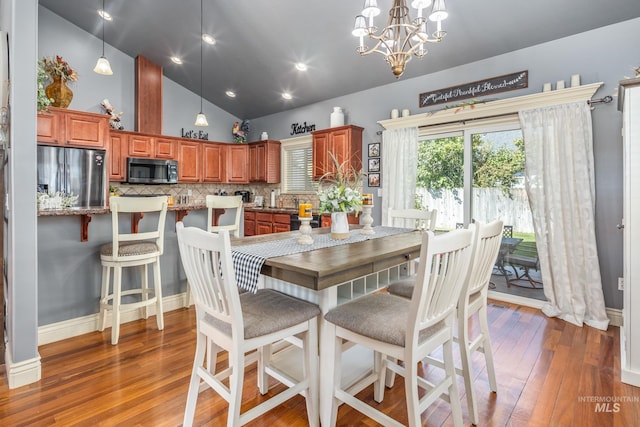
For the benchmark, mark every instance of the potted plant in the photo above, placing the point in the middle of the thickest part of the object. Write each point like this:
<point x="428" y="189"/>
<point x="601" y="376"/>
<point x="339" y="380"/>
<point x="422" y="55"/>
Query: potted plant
<point x="340" y="195"/>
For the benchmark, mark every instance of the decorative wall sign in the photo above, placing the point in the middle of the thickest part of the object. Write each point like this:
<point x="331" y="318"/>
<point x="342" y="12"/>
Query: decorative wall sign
<point x="194" y="134"/>
<point x="297" y="128"/>
<point x="498" y="84"/>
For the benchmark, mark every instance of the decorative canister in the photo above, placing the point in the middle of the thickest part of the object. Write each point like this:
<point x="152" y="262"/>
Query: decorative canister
<point x="264" y="136"/>
<point x="337" y="117"/>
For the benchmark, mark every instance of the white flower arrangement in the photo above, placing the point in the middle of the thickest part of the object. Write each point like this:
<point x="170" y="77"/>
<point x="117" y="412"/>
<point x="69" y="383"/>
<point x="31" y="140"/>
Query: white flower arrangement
<point x="58" y="200"/>
<point x="343" y="193"/>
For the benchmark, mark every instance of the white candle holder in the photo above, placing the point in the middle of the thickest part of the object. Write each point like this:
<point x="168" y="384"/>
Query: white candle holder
<point x="305" y="231"/>
<point x="367" y="220"/>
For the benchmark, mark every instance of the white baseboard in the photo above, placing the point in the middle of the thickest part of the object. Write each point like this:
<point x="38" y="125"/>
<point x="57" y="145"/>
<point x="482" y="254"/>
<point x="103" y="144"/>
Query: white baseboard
<point x="614" y="314"/>
<point x="22" y="373"/>
<point x="83" y="325"/>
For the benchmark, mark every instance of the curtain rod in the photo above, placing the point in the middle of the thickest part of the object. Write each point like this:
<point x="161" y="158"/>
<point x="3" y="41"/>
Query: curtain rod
<point x="605" y="100"/>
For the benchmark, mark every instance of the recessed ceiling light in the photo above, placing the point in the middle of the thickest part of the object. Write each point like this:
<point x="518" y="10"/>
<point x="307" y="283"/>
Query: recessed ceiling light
<point x="208" y="39"/>
<point x="176" y="60"/>
<point x="301" y="67"/>
<point x="104" y="15"/>
<point x="230" y="94"/>
<point x="286" y="95"/>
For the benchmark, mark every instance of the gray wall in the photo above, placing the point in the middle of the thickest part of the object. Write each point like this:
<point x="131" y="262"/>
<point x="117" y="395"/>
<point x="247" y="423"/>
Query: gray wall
<point x="81" y="50"/>
<point x="603" y="55"/>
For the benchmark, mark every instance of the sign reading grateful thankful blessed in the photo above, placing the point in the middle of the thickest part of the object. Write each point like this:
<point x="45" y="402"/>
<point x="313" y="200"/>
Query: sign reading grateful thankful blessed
<point x="504" y="83"/>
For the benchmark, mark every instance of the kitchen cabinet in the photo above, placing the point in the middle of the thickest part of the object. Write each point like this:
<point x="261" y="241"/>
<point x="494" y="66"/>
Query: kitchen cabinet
<point x="345" y="142"/>
<point x="266" y="222"/>
<point x="165" y="148"/>
<point x="249" y="223"/>
<point x="72" y="128"/>
<point x="214" y="162"/>
<point x="237" y="163"/>
<point x="189" y="161"/>
<point x="117" y="149"/>
<point x="281" y="222"/>
<point x="140" y="146"/>
<point x="264" y="161"/>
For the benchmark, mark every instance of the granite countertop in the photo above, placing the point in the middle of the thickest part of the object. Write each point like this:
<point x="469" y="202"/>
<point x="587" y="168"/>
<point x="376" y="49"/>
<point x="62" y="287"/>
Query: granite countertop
<point x="105" y="210"/>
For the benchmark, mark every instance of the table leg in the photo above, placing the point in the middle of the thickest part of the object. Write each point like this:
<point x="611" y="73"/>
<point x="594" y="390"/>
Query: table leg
<point x="328" y="300"/>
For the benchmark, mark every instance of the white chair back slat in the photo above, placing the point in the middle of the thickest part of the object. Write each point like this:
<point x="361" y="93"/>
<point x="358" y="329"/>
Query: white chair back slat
<point x="489" y="239"/>
<point x="209" y="269"/>
<point x="440" y="277"/>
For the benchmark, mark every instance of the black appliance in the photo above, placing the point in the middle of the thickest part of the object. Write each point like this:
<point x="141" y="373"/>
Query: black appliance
<point x="246" y="195"/>
<point x="151" y="171"/>
<point x="294" y="223"/>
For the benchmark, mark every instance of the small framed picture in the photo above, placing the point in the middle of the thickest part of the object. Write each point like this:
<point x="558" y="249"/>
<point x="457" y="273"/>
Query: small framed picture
<point x="374" y="149"/>
<point x="374" y="180"/>
<point x="374" y="164"/>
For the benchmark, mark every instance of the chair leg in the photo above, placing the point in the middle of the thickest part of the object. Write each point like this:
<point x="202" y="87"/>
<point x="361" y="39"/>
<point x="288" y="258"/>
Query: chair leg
<point x="411" y="391"/>
<point x="465" y="355"/>
<point x="311" y="372"/>
<point x="450" y="371"/>
<point x="158" y="294"/>
<point x="264" y="358"/>
<point x="380" y="368"/>
<point x="236" y="381"/>
<point x="145" y="288"/>
<point x="104" y="292"/>
<point x="194" y="384"/>
<point x="336" y="380"/>
<point x="115" y="322"/>
<point x="486" y="347"/>
<point x="390" y="376"/>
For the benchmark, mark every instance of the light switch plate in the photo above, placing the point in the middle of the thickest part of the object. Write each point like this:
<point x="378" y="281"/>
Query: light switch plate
<point x="379" y="192"/>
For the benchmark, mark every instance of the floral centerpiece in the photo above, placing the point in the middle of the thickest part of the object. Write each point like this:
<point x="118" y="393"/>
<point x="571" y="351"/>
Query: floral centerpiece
<point x="340" y="194"/>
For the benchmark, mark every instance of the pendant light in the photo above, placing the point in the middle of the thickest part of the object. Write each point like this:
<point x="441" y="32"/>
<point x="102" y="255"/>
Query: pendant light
<point x="102" y="66"/>
<point x="201" y="119"/>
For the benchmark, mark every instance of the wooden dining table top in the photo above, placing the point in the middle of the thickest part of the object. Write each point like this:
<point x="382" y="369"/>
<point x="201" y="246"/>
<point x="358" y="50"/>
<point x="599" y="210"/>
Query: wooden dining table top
<point x="322" y="268"/>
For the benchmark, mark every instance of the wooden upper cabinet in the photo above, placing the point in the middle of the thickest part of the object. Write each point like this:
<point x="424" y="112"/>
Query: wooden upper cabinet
<point x="140" y="146"/>
<point x="237" y="163"/>
<point x="117" y="156"/>
<point x="165" y="148"/>
<point x="264" y="161"/>
<point x="50" y="128"/>
<point x="214" y="162"/>
<point x="345" y="142"/>
<point x="189" y="161"/>
<point x="86" y="129"/>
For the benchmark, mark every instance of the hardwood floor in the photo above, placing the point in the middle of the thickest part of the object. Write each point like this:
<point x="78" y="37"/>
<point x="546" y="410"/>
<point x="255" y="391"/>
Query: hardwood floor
<point x="550" y="373"/>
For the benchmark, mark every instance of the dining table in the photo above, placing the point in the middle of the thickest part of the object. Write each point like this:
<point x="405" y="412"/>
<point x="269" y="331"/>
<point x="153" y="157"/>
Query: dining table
<point x="331" y="275"/>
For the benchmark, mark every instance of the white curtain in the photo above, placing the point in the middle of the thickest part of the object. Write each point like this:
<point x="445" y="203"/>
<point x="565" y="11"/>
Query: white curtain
<point x="399" y="169"/>
<point x="559" y="178"/>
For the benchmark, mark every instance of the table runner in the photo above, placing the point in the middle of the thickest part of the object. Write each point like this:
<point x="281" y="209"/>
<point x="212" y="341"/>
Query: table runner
<point x="248" y="259"/>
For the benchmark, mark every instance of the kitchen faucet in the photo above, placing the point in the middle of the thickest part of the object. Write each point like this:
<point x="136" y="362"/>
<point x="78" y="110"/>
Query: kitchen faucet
<point x="295" y="200"/>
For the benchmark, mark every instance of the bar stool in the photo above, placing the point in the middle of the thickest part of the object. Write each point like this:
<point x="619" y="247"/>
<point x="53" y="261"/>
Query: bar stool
<point x="131" y="250"/>
<point x="224" y="202"/>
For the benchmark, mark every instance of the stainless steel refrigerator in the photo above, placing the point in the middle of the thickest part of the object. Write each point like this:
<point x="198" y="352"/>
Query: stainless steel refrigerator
<point x="73" y="171"/>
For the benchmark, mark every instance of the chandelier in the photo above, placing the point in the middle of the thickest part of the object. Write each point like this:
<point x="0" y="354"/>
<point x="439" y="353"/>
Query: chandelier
<point x="402" y="37"/>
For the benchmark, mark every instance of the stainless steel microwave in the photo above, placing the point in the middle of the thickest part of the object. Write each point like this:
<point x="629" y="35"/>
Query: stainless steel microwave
<point x="151" y="171"/>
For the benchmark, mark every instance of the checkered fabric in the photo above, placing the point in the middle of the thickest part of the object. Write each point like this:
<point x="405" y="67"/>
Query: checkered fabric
<point x="248" y="259"/>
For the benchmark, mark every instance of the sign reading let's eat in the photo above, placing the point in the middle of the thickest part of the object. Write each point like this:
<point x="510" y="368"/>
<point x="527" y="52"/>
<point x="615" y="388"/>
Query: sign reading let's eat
<point x="498" y="84"/>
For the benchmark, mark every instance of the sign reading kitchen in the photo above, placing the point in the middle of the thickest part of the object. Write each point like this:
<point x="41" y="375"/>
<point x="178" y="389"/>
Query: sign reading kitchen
<point x="498" y="84"/>
<point x="297" y="128"/>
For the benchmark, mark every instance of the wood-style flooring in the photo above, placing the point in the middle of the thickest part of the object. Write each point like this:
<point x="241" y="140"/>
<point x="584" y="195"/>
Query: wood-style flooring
<point x="550" y="373"/>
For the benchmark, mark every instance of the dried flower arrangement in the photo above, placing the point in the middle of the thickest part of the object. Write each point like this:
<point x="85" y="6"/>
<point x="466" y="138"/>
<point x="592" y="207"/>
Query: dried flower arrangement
<point x="59" y="68"/>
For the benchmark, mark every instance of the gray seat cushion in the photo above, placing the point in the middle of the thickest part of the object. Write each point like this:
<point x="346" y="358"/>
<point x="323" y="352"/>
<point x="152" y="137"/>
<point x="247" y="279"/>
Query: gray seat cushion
<point x="130" y="249"/>
<point x="402" y="288"/>
<point x="268" y="311"/>
<point x="382" y="317"/>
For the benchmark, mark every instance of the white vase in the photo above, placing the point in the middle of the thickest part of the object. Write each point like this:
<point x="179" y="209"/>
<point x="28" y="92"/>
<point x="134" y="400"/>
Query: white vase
<point x="339" y="225"/>
<point x="337" y="117"/>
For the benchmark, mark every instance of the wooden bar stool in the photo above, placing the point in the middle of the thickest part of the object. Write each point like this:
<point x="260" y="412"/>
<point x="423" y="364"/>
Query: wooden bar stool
<point x="129" y="249"/>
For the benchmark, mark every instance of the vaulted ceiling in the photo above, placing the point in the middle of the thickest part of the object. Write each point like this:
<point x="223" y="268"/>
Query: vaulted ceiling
<point x="258" y="42"/>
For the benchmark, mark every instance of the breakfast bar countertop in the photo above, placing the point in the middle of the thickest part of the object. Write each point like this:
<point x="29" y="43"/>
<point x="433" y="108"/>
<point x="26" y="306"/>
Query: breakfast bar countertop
<point x="105" y="210"/>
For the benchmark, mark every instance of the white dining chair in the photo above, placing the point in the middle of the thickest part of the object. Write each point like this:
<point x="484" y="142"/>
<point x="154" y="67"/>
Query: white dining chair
<point x="129" y="249"/>
<point x="473" y="299"/>
<point x="241" y="323"/>
<point x="412" y="218"/>
<point x="408" y="330"/>
<point x="224" y="202"/>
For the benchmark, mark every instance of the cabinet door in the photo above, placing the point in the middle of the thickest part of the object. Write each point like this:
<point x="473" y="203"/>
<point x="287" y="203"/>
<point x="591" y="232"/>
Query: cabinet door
<point x="256" y="163"/>
<point x="214" y="165"/>
<point x="281" y="228"/>
<point x="116" y="156"/>
<point x="272" y="164"/>
<point x="320" y="157"/>
<point x="84" y="130"/>
<point x="249" y="223"/>
<point x="50" y="128"/>
<point x="237" y="163"/>
<point x="165" y="148"/>
<point x="281" y="223"/>
<point x="340" y="146"/>
<point x="264" y="223"/>
<point x="140" y="146"/>
<point x="189" y="161"/>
